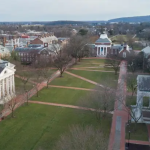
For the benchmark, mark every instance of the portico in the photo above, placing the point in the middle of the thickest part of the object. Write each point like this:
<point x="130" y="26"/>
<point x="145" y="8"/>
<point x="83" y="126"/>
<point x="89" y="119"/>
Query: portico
<point x="103" y="45"/>
<point x="7" y="83"/>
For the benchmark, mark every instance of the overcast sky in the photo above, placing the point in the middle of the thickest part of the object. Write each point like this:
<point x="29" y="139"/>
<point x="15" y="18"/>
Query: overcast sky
<point x="52" y="10"/>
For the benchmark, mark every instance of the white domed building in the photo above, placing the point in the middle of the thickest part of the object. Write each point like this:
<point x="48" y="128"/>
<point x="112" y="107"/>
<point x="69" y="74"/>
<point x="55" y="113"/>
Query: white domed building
<point x="103" y="45"/>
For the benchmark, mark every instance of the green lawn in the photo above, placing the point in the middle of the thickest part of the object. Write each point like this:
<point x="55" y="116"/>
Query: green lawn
<point x="59" y="95"/>
<point x="100" y="77"/>
<point x="39" y="127"/>
<point x="138" y="132"/>
<point x="68" y="80"/>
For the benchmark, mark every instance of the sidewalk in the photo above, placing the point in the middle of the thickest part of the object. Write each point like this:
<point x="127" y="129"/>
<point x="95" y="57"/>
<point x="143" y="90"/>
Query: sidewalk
<point x="120" y="117"/>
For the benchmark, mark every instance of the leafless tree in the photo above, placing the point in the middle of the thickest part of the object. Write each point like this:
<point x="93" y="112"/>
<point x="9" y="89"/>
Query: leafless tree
<point x="101" y="100"/>
<point x="37" y="81"/>
<point x="78" y="47"/>
<point x="114" y="62"/>
<point x="61" y="60"/>
<point x="80" y="138"/>
<point x="131" y="83"/>
<point x="12" y="104"/>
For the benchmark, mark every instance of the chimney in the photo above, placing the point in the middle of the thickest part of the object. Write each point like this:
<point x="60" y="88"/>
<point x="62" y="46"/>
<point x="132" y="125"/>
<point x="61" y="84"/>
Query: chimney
<point x="4" y="41"/>
<point x="14" y="47"/>
<point x="45" y="44"/>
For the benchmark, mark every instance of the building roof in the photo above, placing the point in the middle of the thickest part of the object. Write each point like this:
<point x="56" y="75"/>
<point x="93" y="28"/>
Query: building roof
<point x="103" y="39"/>
<point x="143" y="83"/>
<point x="4" y="49"/>
<point x="146" y="50"/>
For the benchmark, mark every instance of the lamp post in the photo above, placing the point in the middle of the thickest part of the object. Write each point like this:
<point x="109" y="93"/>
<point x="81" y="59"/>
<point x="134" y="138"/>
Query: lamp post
<point x="129" y="138"/>
<point x="27" y="96"/>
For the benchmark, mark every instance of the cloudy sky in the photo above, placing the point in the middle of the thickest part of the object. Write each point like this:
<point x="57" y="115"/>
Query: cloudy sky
<point x="51" y="10"/>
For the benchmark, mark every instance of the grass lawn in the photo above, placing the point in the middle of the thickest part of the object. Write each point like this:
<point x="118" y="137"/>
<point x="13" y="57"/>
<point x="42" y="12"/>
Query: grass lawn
<point x="68" y="80"/>
<point x="59" y="95"/>
<point x="39" y="127"/>
<point x="138" y="132"/>
<point x="19" y="84"/>
<point x="100" y="77"/>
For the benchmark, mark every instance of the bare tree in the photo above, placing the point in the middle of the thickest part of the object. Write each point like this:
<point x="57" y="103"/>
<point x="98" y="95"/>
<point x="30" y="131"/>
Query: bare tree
<point x="101" y="100"/>
<point x="132" y="84"/>
<point x="12" y="104"/>
<point x="78" y="47"/>
<point x="61" y="60"/>
<point x="114" y="62"/>
<point x="80" y="138"/>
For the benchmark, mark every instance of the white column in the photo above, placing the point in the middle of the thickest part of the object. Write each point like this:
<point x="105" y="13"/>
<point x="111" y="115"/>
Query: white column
<point x="97" y="51"/>
<point x="13" y="84"/>
<point x="11" y="79"/>
<point x="7" y="85"/>
<point x="3" y="88"/>
<point x="0" y="88"/>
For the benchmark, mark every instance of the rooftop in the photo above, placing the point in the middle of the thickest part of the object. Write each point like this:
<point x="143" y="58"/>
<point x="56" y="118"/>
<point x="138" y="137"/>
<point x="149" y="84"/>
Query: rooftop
<point x="143" y="82"/>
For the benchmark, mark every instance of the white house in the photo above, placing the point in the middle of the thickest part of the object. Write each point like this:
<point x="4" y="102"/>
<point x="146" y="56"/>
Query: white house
<point x="7" y="82"/>
<point x="103" y="45"/>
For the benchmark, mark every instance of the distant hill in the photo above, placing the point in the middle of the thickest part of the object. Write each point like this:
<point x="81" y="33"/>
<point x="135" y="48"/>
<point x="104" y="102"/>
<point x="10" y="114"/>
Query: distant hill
<point x="132" y="19"/>
<point x="65" y="22"/>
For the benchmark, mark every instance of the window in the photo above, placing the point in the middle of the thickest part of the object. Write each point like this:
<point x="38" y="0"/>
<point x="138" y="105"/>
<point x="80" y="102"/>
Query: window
<point x="124" y="54"/>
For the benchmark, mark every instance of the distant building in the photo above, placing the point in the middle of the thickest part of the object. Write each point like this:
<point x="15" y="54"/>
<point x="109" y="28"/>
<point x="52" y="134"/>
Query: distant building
<point x="4" y="52"/>
<point x="146" y="51"/>
<point x="45" y="39"/>
<point x="63" y="40"/>
<point x="104" y="47"/>
<point x="142" y="113"/>
<point x="36" y="52"/>
<point x="7" y="82"/>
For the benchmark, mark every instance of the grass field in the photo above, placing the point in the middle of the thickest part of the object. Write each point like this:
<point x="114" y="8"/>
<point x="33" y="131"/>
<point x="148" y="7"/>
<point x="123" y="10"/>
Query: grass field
<point x="100" y="77"/>
<point x="68" y="80"/>
<point x="138" y="132"/>
<point x="39" y="127"/>
<point x="59" y="95"/>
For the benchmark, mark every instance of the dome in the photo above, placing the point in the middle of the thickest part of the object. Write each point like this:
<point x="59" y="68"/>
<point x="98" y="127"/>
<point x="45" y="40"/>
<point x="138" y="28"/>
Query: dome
<point x="103" y="36"/>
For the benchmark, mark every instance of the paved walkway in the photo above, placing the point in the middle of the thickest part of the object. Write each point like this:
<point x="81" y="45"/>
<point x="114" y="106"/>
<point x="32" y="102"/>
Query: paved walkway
<point x="120" y="117"/>
<point x="90" y="81"/>
<point x="74" y="88"/>
<point x="139" y="142"/>
<point x="90" y="70"/>
<point x="67" y="106"/>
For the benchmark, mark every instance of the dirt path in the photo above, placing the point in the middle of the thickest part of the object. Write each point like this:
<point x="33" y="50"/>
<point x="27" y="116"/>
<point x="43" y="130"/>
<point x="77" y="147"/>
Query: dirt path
<point x="74" y="88"/>
<point x="82" y="69"/>
<point x="67" y="106"/>
<point x="82" y="78"/>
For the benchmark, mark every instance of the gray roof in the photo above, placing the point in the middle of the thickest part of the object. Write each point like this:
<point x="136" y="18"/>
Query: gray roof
<point x="1" y="69"/>
<point x="91" y="45"/>
<point x="100" y="40"/>
<point x="144" y="83"/>
<point x="3" y="64"/>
